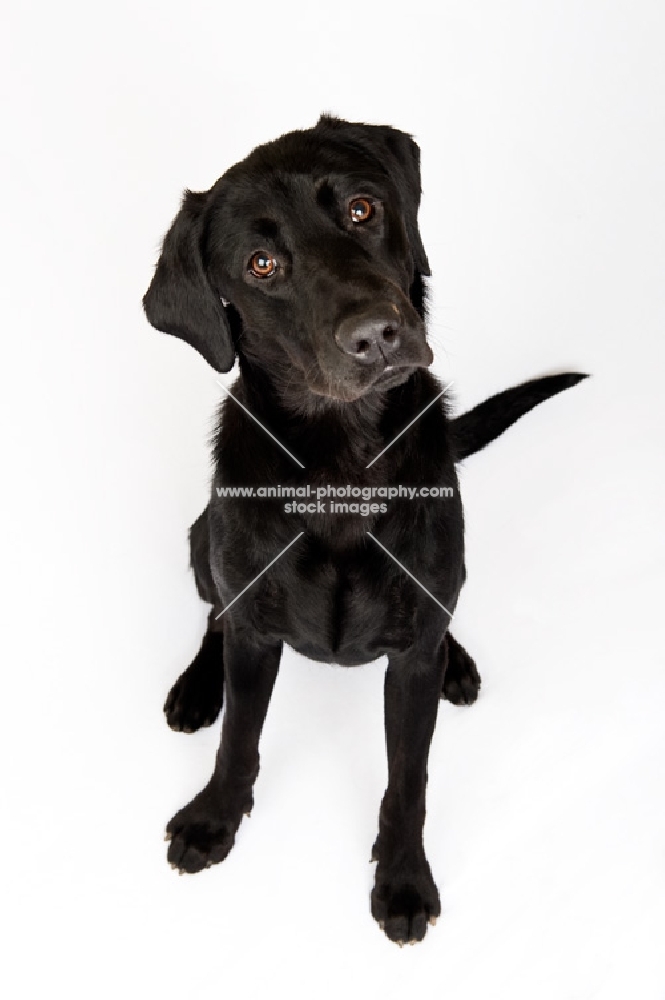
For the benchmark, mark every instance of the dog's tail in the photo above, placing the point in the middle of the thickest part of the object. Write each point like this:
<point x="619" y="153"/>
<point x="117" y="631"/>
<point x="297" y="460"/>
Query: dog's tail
<point x="473" y="430"/>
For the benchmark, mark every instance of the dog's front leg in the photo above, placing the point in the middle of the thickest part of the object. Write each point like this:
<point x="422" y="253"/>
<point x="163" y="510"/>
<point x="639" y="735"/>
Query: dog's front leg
<point x="405" y="897"/>
<point x="203" y="832"/>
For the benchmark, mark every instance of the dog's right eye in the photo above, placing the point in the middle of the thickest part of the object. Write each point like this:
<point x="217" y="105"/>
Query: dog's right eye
<point x="262" y="265"/>
<point x="361" y="210"/>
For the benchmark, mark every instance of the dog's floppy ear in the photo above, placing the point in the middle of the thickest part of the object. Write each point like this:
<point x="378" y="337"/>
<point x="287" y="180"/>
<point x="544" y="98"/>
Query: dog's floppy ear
<point x="399" y="156"/>
<point x="180" y="299"/>
<point x="406" y="155"/>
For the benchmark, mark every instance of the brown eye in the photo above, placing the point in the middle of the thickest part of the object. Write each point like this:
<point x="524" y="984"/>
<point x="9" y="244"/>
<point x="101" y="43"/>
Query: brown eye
<point x="361" y="209"/>
<point x="262" y="265"/>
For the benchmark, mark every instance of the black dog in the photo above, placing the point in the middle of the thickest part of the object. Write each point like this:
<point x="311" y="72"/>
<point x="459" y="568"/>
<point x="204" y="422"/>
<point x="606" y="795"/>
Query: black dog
<point x="305" y="261"/>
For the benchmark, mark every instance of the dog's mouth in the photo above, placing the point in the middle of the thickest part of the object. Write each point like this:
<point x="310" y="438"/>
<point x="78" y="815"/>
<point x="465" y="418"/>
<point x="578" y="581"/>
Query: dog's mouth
<point x="330" y="378"/>
<point x="346" y="390"/>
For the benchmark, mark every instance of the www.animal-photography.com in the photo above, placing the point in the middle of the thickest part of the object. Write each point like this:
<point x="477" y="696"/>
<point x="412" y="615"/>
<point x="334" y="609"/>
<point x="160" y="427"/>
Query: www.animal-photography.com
<point x="334" y="487"/>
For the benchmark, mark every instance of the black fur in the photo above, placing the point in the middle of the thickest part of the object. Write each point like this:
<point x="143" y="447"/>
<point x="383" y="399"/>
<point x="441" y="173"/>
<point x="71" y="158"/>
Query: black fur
<point x="333" y="361"/>
<point x="475" y="429"/>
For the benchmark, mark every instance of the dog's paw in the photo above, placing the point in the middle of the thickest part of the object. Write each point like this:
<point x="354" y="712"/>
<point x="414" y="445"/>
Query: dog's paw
<point x="461" y="682"/>
<point x="404" y="903"/>
<point x="203" y="832"/>
<point x="195" y="700"/>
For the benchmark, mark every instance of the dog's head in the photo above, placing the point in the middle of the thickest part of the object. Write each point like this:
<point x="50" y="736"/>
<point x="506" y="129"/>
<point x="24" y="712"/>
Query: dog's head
<point x="306" y="259"/>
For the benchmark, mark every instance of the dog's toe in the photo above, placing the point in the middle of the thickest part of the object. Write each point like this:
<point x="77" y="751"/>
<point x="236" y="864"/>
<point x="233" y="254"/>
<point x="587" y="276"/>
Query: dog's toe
<point x="203" y="832"/>
<point x="403" y="905"/>
<point x="199" y="846"/>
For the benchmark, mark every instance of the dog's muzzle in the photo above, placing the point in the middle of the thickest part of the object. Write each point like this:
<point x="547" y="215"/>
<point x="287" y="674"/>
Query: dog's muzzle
<point x="379" y="332"/>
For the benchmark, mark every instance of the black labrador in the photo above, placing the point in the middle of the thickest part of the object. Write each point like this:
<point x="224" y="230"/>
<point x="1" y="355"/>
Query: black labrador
<point x="305" y="262"/>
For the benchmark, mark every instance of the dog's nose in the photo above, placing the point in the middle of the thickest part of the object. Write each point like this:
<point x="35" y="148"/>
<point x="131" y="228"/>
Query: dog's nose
<point x="371" y="335"/>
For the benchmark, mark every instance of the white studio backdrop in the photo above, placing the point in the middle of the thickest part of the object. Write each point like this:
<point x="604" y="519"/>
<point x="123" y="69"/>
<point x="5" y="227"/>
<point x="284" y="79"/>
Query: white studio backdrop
<point x="543" y="156"/>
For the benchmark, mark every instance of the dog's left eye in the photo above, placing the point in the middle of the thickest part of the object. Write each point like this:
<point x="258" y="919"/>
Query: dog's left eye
<point x="262" y="265"/>
<point x="361" y="209"/>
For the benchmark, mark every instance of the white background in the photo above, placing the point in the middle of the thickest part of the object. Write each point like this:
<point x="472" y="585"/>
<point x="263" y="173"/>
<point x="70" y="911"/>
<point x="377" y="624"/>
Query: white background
<point x="543" y="155"/>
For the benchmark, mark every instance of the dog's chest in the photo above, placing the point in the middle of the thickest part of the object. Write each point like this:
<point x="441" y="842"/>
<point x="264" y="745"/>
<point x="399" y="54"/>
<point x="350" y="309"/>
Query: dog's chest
<point x="339" y="611"/>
